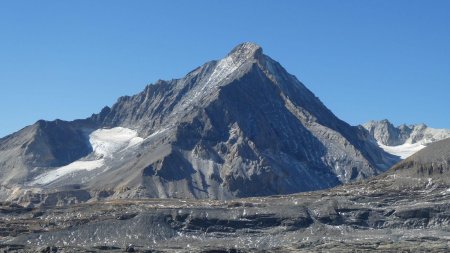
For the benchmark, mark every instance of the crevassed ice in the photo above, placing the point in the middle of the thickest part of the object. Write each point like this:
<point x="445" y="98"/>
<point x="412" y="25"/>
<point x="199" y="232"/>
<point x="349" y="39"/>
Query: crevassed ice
<point x="105" y="143"/>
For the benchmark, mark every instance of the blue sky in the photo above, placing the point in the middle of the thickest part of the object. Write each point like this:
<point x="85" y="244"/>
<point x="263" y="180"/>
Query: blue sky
<point x="364" y="59"/>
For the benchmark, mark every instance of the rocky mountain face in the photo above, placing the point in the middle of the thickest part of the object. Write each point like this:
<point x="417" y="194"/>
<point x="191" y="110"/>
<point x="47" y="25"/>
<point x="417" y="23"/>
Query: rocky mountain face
<point x="237" y="127"/>
<point x="387" y="134"/>
<point x="406" y="209"/>
<point x="404" y="140"/>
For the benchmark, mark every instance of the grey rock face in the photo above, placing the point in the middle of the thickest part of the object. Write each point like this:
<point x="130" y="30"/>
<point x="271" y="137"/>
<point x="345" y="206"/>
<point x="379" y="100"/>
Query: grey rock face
<point x="241" y="126"/>
<point x="387" y="134"/>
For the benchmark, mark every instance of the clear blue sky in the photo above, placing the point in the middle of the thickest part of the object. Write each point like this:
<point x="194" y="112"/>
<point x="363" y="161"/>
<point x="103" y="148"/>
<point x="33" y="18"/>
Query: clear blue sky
<point x="364" y="59"/>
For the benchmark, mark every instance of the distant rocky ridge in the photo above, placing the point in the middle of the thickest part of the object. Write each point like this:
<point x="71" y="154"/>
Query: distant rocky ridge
<point x="237" y="127"/>
<point x="404" y="140"/>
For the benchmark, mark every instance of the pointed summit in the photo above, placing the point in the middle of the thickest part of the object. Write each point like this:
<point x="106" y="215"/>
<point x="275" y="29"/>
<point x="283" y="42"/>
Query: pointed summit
<point x="246" y="50"/>
<point x="235" y="63"/>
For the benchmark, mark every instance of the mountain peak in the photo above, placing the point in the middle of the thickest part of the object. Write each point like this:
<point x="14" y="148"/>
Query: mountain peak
<point x="246" y="50"/>
<point x="216" y="133"/>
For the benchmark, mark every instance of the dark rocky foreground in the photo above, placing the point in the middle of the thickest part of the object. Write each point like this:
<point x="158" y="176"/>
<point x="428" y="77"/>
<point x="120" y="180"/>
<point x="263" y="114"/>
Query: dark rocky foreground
<point x="390" y="213"/>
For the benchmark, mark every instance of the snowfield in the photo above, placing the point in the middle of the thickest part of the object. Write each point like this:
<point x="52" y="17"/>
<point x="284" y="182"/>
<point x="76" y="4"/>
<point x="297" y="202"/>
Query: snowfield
<point x="404" y="150"/>
<point x="105" y="144"/>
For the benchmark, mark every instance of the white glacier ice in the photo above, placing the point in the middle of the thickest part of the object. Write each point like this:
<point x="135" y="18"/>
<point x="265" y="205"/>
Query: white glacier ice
<point x="403" y="151"/>
<point x="105" y="143"/>
<point x="70" y="168"/>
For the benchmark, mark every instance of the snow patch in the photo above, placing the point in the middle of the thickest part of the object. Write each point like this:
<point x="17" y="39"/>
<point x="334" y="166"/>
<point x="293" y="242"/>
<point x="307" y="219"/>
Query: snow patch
<point x="71" y="168"/>
<point x="404" y="150"/>
<point x="430" y="183"/>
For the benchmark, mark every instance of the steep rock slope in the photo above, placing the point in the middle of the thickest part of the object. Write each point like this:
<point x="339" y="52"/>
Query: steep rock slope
<point x="241" y="126"/>
<point x="404" y="140"/>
